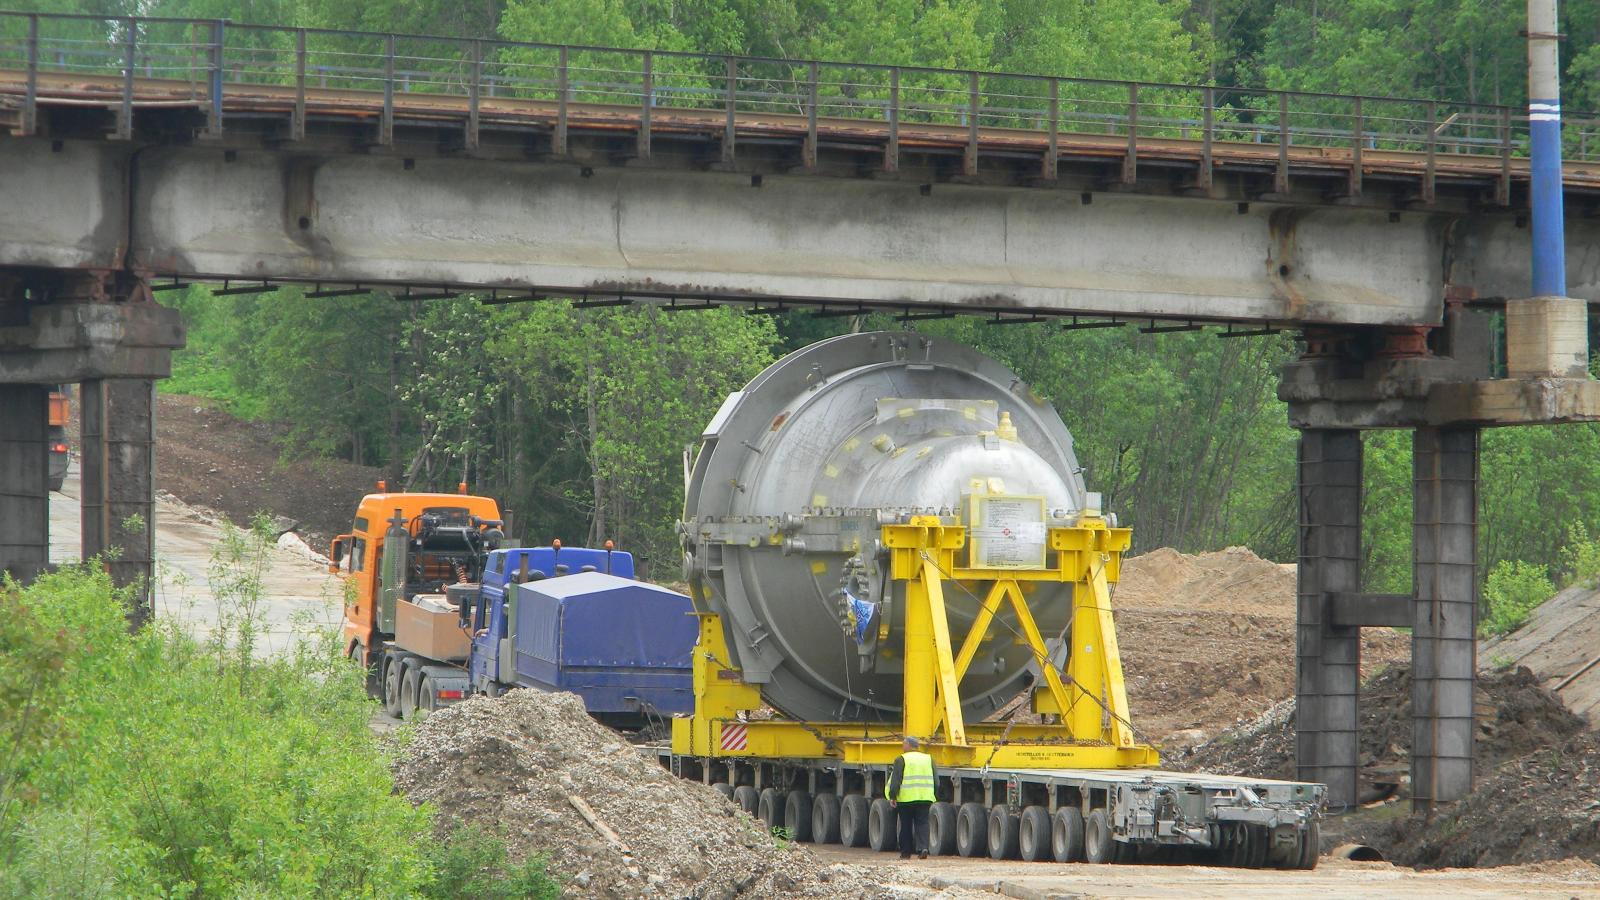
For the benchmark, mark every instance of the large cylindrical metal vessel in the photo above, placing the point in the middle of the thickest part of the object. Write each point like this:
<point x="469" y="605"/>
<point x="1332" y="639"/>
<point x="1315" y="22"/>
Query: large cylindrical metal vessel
<point x="796" y="473"/>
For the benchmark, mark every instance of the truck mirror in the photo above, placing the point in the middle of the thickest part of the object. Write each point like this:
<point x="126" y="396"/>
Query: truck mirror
<point x="335" y="555"/>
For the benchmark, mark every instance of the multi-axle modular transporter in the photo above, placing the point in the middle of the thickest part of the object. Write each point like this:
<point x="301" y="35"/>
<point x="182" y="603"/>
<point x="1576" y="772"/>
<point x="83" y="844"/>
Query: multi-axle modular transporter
<point x="889" y="535"/>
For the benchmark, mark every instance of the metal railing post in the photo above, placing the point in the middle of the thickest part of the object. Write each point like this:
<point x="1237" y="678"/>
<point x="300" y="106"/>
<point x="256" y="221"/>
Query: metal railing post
<point x="559" y="142"/>
<point x="297" y="119"/>
<point x="1503" y="186"/>
<point x="1052" y="153"/>
<point x="733" y="95"/>
<point x="474" y="89"/>
<point x="808" y="152"/>
<point x="969" y="160"/>
<point x="1430" y="168"/>
<point x="386" y="124"/>
<point x="124" y="126"/>
<point x="1356" y="148"/>
<point x="1280" y="178"/>
<point x="891" y="154"/>
<point x="1207" y="124"/>
<point x="30" y="96"/>
<point x="646" y="100"/>
<point x="1130" y="160"/>
<point x="214" y="109"/>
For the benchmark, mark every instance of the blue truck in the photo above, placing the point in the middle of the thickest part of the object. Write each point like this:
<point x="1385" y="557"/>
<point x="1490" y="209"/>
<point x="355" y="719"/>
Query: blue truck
<point x="547" y="618"/>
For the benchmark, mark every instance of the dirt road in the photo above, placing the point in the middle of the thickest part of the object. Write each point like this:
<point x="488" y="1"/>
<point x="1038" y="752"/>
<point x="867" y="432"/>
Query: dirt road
<point x="1332" y="878"/>
<point x="299" y="597"/>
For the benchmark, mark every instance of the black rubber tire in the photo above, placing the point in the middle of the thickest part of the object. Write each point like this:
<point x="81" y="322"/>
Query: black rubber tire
<point x="427" y="696"/>
<point x="1004" y="825"/>
<point x="797" y="815"/>
<point x="942" y="829"/>
<point x="882" y="832"/>
<point x="392" y="670"/>
<point x="747" y="797"/>
<point x="410" y="687"/>
<point x="725" y="789"/>
<point x="1033" y="834"/>
<point x="1066" y="835"/>
<point x="1124" y="853"/>
<point x="1098" y="844"/>
<point x="825" y="819"/>
<point x="1310" y="846"/>
<point x="853" y="812"/>
<point x="1260" y="845"/>
<point x="972" y="830"/>
<point x="769" y="808"/>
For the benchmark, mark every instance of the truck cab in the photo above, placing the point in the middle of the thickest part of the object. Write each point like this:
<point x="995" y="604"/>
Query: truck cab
<point x="400" y="546"/>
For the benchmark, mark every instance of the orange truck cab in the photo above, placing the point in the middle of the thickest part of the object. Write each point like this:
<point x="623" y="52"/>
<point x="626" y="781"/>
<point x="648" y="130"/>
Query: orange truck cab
<point x="403" y="545"/>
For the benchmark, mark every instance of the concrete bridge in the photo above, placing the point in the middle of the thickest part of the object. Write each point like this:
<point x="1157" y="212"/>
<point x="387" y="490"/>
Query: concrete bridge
<point x="147" y="153"/>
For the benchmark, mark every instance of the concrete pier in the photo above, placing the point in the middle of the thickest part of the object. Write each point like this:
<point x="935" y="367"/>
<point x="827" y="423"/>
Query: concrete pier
<point x="24" y="480"/>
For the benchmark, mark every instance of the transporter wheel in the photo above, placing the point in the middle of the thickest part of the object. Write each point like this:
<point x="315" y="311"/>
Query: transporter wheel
<point x="427" y="695"/>
<point x="1310" y="846"/>
<point x="825" y="819"/>
<point x="853" y="812"/>
<point x="1260" y="846"/>
<point x="797" y="815"/>
<point x="769" y="808"/>
<point x="942" y="829"/>
<point x="1033" y="834"/>
<point x="972" y="830"/>
<point x="410" y="688"/>
<point x="725" y="789"/>
<point x="393" y="668"/>
<point x="1004" y="825"/>
<point x="1098" y="844"/>
<point x="882" y="835"/>
<point x="747" y="798"/>
<point x="1066" y="835"/>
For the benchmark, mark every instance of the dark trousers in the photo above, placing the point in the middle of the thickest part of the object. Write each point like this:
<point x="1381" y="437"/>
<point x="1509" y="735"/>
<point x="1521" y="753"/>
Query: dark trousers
<point x="913" y="826"/>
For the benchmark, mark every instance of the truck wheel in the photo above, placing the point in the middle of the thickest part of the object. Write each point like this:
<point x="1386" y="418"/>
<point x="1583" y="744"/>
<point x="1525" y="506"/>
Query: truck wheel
<point x="1066" y="835"/>
<point x="797" y="816"/>
<point x="1260" y="844"/>
<point x="882" y="835"/>
<point x="747" y="798"/>
<point x="725" y="789"/>
<point x="427" y="695"/>
<point x="825" y="819"/>
<point x="769" y="808"/>
<point x="410" y="682"/>
<point x="1033" y="835"/>
<point x="1004" y="825"/>
<point x="1098" y="844"/>
<point x="942" y="829"/>
<point x="1310" y="846"/>
<point x="393" y="668"/>
<point x="972" y="830"/>
<point x="853" y="821"/>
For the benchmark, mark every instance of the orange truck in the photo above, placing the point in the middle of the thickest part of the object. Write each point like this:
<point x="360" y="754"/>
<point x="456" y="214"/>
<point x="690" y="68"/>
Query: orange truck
<point x="60" y="411"/>
<point x="411" y="561"/>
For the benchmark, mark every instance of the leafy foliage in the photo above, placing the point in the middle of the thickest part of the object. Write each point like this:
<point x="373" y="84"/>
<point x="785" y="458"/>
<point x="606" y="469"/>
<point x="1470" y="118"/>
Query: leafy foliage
<point x="1513" y="590"/>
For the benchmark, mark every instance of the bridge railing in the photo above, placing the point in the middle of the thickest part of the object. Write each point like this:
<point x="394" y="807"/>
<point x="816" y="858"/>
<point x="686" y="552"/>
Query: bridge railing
<point x="97" y="61"/>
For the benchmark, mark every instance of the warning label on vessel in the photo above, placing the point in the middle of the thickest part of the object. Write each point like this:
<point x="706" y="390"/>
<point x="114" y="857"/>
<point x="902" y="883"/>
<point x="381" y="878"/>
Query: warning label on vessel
<point x="1008" y="533"/>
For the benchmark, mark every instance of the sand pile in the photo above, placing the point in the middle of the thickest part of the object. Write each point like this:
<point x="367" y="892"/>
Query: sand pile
<point x="1234" y="580"/>
<point x="1515" y="717"/>
<point x="536" y="768"/>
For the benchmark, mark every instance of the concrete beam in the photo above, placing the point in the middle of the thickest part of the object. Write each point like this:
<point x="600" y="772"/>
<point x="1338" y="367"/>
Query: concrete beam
<point x="24" y="480"/>
<point x="1445" y="615"/>
<point x="1355" y="610"/>
<point x="659" y="231"/>
<point x="1328" y="655"/>
<point x="64" y="343"/>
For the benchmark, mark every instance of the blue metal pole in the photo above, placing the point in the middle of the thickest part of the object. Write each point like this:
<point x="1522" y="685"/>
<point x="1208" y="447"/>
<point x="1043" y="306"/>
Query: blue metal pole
<point x="1544" y="131"/>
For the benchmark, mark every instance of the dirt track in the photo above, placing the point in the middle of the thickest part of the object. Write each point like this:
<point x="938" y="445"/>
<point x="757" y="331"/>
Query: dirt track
<point x="1332" y="878"/>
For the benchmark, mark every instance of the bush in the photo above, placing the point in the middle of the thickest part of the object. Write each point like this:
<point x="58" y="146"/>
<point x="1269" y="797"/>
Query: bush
<point x="1513" y="590"/>
<point x="1580" y="557"/>
<point x="154" y="765"/>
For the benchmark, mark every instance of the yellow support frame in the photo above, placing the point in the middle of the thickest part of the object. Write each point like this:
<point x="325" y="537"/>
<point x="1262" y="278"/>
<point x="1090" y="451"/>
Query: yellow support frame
<point x="1089" y="698"/>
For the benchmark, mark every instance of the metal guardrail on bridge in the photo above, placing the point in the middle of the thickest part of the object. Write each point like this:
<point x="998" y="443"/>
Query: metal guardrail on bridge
<point x="213" y="57"/>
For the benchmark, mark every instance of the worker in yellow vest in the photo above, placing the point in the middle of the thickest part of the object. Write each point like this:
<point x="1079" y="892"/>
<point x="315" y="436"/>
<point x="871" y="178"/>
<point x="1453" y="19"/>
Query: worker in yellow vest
<point x="910" y="792"/>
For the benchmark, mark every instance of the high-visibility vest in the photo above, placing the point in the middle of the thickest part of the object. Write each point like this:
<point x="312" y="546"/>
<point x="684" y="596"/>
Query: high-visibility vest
<point x="916" y="779"/>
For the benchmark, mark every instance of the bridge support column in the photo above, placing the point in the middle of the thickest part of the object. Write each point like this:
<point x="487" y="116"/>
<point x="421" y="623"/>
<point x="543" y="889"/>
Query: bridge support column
<point x="1327" y="655"/>
<point x="1444" y="614"/>
<point x="118" y="483"/>
<point x="24" y="480"/>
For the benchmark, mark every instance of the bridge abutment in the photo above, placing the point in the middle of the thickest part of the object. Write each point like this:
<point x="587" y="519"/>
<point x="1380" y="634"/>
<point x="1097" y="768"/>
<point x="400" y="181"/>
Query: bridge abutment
<point x="24" y="480"/>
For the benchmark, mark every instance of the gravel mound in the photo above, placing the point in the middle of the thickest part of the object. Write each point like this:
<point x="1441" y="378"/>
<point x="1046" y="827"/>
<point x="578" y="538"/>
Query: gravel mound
<point x="536" y="768"/>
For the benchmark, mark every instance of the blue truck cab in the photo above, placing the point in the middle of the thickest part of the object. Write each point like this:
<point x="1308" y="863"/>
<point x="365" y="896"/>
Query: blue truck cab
<point x="574" y="619"/>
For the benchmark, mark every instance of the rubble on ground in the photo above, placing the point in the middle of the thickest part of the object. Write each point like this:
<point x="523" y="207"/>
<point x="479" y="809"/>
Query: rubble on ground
<point x="612" y="822"/>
